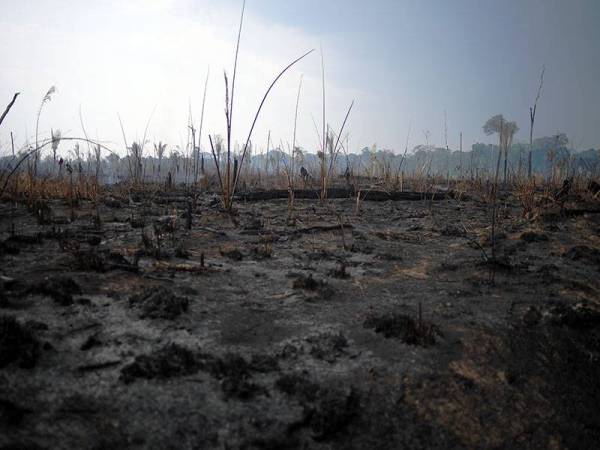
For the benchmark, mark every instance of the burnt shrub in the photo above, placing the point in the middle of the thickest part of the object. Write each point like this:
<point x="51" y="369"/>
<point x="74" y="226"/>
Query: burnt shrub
<point x="169" y="361"/>
<point x="409" y="330"/>
<point x="234" y="373"/>
<point x="60" y="289"/>
<point x="159" y="303"/>
<point x="308" y="283"/>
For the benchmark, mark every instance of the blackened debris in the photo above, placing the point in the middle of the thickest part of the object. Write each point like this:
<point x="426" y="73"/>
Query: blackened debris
<point x="308" y="283"/>
<point x="169" y="361"/>
<point x="159" y="303"/>
<point x="234" y="374"/>
<point x="60" y="289"/>
<point x="232" y="253"/>
<point x="581" y="318"/>
<point x="409" y="330"/>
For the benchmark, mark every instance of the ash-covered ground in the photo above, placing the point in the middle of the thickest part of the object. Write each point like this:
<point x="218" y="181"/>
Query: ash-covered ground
<point x="120" y="327"/>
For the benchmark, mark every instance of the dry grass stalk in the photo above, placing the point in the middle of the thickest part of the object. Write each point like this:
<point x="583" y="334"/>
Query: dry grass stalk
<point x="8" y="108"/>
<point x="229" y="177"/>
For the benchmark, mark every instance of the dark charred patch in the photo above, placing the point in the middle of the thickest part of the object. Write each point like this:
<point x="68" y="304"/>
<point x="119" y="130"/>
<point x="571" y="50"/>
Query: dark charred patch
<point x="90" y="343"/>
<point x="594" y="187"/>
<point x="159" y="303"/>
<point x="332" y="414"/>
<point x="501" y="263"/>
<point x="9" y="247"/>
<point x="583" y="253"/>
<point x="340" y="272"/>
<point x="232" y="253"/>
<point x="112" y="202"/>
<point x="253" y="226"/>
<point x="11" y="414"/>
<point x="327" y="346"/>
<point x="308" y="283"/>
<point x="327" y="411"/>
<point x="26" y="239"/>
<point x="42" y="211"/>
<point x="389" y="256"/>
<point x="90" y="259"/>
<point x="409" y="330"/>
<point x="60" y="289"/>
<point x="533" y="236"/>
<point x="264" y="363"/>
<point x="232" y="371"/>
<point x="580" y="318"/>
<point x="532" y="316"/>
<point x="97" y="260"/>
<point x="298" y="385"/>
<point x="3" y="297"/>
<point x="234" y="375"/>
<point x="18" y="344"/>
<point x="167" y="362"/>
<point x="362" y="247"/>
<point x="450" y="230"/>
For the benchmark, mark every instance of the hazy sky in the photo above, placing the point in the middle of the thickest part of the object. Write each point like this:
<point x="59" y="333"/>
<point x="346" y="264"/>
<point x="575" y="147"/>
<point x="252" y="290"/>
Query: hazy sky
<point x="402" y="61"/>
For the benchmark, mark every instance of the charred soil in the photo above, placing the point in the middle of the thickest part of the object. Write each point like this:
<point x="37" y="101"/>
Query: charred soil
<point x="134" y="326"/>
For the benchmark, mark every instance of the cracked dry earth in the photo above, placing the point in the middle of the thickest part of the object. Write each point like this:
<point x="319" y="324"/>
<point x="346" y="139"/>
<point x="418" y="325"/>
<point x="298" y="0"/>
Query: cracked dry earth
<point x="377" y="330"/>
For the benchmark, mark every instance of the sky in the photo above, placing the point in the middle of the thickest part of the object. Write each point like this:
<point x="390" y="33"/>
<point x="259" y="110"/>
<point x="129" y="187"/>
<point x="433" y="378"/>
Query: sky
<point x="406" y="64"/>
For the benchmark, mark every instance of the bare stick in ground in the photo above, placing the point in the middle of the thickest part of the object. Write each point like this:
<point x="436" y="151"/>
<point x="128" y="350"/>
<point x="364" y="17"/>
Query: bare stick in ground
<point x="217" y="166"/>
<point x="237" y="50"/>
<point x="290" y="171"/>
<point x="532" y="112"/>
<point x="495" y="124"/>
<point x="460" y="165"/>
<point x="267" y="158"/>
<point x="324" y="134"/>
<point x="229" y="112"/>
<point x="201" y="124"/>
<point x="405" y="150"/>
<point x="126" y="146"/>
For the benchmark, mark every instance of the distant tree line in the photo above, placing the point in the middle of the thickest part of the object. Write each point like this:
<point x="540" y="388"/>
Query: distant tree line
<point x="550" y="155"/>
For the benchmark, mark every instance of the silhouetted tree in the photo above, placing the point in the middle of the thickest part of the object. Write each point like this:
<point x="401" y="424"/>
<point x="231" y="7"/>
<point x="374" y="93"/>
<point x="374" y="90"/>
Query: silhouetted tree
<point x="506" y="132"/>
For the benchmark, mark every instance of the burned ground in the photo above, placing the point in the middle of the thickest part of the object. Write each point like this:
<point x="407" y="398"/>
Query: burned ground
<point x="124" y="328"/>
